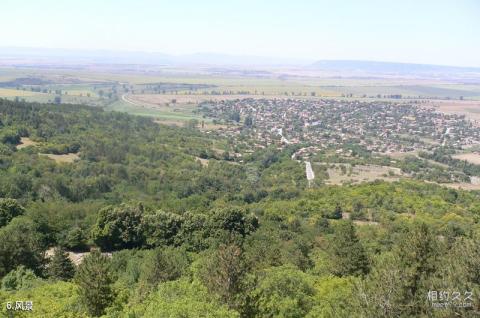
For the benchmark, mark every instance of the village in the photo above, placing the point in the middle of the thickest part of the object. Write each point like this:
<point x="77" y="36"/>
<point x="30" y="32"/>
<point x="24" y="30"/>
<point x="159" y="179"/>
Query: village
<point x="379" y="127"/>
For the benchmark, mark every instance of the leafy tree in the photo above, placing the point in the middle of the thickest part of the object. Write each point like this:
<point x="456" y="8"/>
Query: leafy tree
<point x="9" y="208"/>
<point x="194" y="232"/>
<point x="119" y="227"/>
<point x="75" y="239"/>
<point x="264" y="249"/>
<point x="21" y="244"/>
<point x="60" y="266"/>
<point x="128" y="265"/>
<point x="94" y="280"/>
<point x="335" y="297"/>
<point x="161" y="228"/>
<point x="284" y="292"/>
<point x="234" y="221"/>
<point x="348" y="255"/>
<point x="20" y="278"/>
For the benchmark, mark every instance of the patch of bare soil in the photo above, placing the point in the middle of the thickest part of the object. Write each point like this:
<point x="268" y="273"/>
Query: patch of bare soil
<point x="26" y="142"/>
<point x="76" y="257"/>
<point x="204" y="162"/>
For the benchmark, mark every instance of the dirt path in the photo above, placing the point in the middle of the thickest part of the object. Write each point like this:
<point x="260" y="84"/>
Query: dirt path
<point x="126" y="100"/>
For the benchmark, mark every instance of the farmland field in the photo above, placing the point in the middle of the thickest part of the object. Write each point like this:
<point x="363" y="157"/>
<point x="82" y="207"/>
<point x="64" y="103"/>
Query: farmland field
<point x="8" y="93"/>
<point x="469" y="157"/>
<point x="469" y="108"/>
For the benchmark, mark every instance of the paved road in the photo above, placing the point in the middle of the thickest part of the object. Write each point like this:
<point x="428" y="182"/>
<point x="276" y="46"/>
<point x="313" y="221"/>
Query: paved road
<point x="309" y="171"/>
<point x="445" y="136"/>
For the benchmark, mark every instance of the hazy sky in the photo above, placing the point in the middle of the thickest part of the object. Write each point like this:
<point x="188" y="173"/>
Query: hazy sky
<point x="422" y="31"/>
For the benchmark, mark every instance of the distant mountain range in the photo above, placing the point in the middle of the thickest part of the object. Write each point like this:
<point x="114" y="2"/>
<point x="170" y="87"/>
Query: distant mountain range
<point x="374" y="67"/>
<point x="68" y="56"/>
<point x="347" y="68"/>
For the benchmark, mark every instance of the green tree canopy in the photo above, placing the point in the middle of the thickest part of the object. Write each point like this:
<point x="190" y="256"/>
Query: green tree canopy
<point x="19" y="278"/>
<point x="183" y="299"/>
<point x="21" y="244"/>
<point x="9" y="208"/>
<point x="284" y="292"/>
<point x="119" y="227"/>
<point x="161" y="228"/>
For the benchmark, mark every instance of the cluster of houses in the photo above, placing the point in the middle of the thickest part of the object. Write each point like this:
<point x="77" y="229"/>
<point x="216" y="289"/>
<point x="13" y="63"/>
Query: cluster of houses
<point x="322" y="123"/>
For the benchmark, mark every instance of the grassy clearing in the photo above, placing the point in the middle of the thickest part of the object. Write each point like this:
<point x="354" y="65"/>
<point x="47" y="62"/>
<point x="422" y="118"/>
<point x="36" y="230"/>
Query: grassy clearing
<point x="66" y="158"/>
<point x="361" y="173"/>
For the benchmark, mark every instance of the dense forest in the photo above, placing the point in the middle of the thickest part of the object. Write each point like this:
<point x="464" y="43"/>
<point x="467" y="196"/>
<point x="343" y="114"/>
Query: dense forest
<point x="168" y="225"/>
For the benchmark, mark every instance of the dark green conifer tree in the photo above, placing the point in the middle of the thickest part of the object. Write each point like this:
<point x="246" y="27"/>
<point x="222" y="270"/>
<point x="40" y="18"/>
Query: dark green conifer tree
<point x="94" y="279"/>
<point x="61" y="267"/>
<point x="348" y="255"/>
